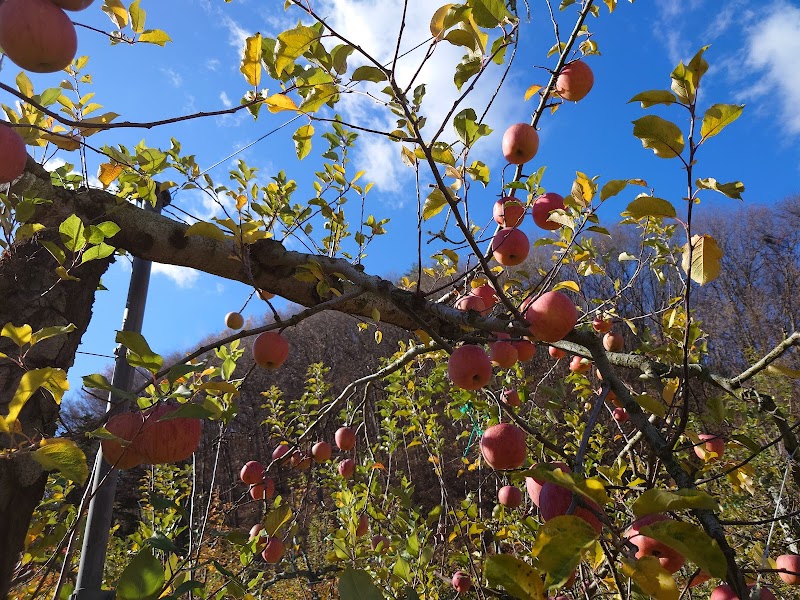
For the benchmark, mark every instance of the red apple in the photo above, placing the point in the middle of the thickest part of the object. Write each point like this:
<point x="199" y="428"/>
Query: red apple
<point x="321" y="451"/>
<point x="300" y="461"/>
<point x="613" y="342"/>
<point x="280" y="452"/>
<point x="526" y="350"/>
<point x="503" y="446"/>
<point x="255" y="532"/>
<point x="509" y="496"/>
<point x="273" y="551"/>
<point x="261" y="491"/>
<point x="534" y="486"/>
<point x="790" y="562"/>
<point x="620" y="415"/>
<point x="543" y="206"/>
<point x="508" y="212"/>
<point x="725" y="592"/>
<point x="270" y="350"/>
<point x="347" y="468"/>
<point x="602" y="326"/>
<point x="461" y="582"/>
<point x="699" y="579"/>
<point x="37" y="35"/>
<point x="486" y="293"/>
<point x="345" y="438"/>
<point x="575" y="81"/>
<point x="579" y="364"/>
<point x="469" y="367"/>
<point x="510" y="397"/>
<point x="363" y="525"/>
<point x="510" y="247"/>
<point x="520" y="143"/>
<point x="556" y="353"/>
<point x="72" y="4"/>
<point x="647" y="546"/>
<point x="552" y="316"/>
<point x="470" y="302"/>
<point x="12" y="154"/>
<point x="233" y="320"/>
<point x="503" y="354"/>
<point x="555" y="501"/>
<point x="252" y="472"/>
<point x="713" y="443"/>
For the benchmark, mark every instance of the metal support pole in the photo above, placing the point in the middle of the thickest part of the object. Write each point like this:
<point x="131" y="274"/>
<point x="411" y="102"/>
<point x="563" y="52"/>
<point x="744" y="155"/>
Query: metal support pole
<point x="98" y="519"/>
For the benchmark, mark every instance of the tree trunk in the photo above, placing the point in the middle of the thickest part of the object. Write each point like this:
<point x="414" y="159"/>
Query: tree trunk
<point x="31" y="293"/>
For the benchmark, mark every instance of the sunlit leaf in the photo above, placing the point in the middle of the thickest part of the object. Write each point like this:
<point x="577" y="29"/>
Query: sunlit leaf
<point x="651" y="577"/>
<point x="205" y="229"/>
<point x="251" y="60"/>
<point x="653" y="97"/>
<point x="648" y="206"/>
<point x="518" y="578"/>
<point x="657" y="501"/>
<point x="734" y="189"/>
<point x="64" y="456"/>
<point x="142" y="579"/>
<point x="559" y="546"/>
<point x="661" y="136"/>
<point x="706" y="259"/>
<point x="692" y="542"/>
<point x="139" y="353"/>
<point x="302" y="140"/>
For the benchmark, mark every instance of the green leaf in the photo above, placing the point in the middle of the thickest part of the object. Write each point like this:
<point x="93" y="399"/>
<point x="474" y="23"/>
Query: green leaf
<point x="357" y="585"/>
<point x="302" y="140"/>
<point x="138" y="16"/>
<point x="661" y="136"/>
<point x="706" y="259"/>
<point x="651" y="577"/>
<point x="717" y="118"/>
<point x="139" y="353"/>
<point x="648" y="206"/>
<point x="653" y="97"/>
<point x="339" y="55"/>
<point x="489" y="13"/>
<point x="292" y="43"/>
<point x="559" y="546"/>
<point x="71" y="231"/>
<point x="434" y="204"/>
<point x="590" y="488"/>
<point x="692" y="542"/>
<point x="466" y="69"/>
<point x="64" y="456"/>
<point x="734" y="189"/>
<point x="154" y="36"/>
<point x="368" y="73"/>
<point x="97" y="252"/>
<point x="48" y="332"/>
<point x="479" y="172"/>
<point x="276" y="519"/>
<point x="612" y="188"/>
<point x="657" y="501"/>
<point x="19" y="335"/>
<point x="519" y="579"/>
<point x="142" y="579"/>
<point x="467" y="129"/>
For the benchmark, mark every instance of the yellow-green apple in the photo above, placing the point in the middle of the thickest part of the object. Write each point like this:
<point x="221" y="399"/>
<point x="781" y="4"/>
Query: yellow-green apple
<point x="551" y="316"/>
<point x="234" y="320"/>
<point x="575" y="81"/>
<point x="508" y="212"/>
<point x="461" y="582"/>
<point x="503" y="446"/>
<point x="252" y="472"/>
<point x="543" y="206"/>
<point x="12" y="154"/>
<point x="509" y="496"/>
<point x="670" y="559"/>
<point x="469" y="367"/>
<point x="270" y="350"/>
<point x="37" y="35"/>
<point x="345" y="438"/>
<point x="791" y="563"/>
<point x="520" y="143"/>
<point x="510" y="246"/>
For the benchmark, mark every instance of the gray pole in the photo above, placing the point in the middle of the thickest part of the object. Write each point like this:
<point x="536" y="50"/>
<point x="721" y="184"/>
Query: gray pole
<point x="98" y="519"/>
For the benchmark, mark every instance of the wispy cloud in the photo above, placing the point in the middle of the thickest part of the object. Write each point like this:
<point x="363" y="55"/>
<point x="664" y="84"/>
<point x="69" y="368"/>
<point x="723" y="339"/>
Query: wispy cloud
<point x="772" y="49"/>
<point x="226" y="102"/>
<point x="183" y="277"/>
<point x="175" y="78"/>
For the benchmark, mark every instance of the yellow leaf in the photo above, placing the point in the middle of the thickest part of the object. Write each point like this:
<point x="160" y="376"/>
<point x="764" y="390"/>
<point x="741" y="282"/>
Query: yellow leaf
<point x="649" y="575"/>
<point x="19" y="335"/>
<point x="706" y="259"/>
<point x="531" y="91"/>
<point x="30" y="382"/>
<point x="251" y="60"/>
<point x="786" y="371"/>
<point x="109" y="172"/>
<point x="280" y="102"/>
<point x="62" y="455"/>
<point x="205" y="229"/>
<point x="64" y="142"/>
<point x="567" y="285"/>
<point x="241" y="201"/>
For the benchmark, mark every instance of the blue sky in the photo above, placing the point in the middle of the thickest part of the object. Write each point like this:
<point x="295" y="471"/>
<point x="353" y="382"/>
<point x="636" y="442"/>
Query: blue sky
<point x="753" y="56"/>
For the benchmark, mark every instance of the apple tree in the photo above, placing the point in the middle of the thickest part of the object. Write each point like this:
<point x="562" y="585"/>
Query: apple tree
<point x="627" y="474"/>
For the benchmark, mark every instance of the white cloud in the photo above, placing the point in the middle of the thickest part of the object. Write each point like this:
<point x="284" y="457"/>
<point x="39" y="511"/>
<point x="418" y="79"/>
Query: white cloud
<point x="212" y="64"/>
<point x="236" y="33"/>
<point x="226" y="102"/>
<point x="182" y="276"/>
<point x="175" y="78"/>
<point x="772" y="48"/>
